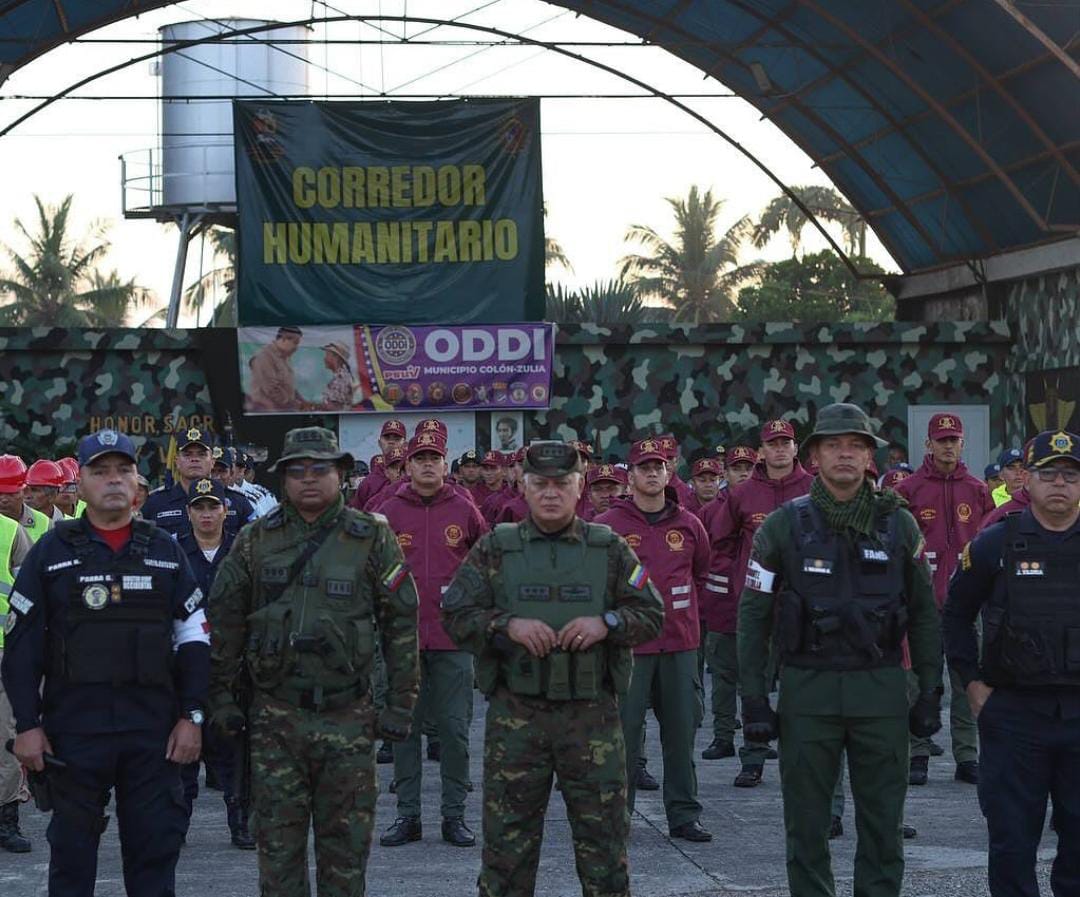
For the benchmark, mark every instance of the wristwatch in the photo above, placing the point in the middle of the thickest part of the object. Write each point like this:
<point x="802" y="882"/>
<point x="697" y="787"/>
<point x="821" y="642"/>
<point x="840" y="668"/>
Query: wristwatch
<point x="612" y="620"/>
<point x="197" y="717"/>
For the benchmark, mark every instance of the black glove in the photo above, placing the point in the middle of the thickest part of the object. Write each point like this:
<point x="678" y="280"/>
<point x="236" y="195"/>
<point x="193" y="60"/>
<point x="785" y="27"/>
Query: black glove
<point x="924" y="718"/>
<point x="229" y="719"/>
<point x="394" y="725"/>
<point x="760" y="722"/>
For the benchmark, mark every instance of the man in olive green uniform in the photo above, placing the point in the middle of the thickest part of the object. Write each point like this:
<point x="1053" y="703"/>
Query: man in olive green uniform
<point x="294" y="612"/>
<point x="551" y="607"/>
<point x="846" y="568"/>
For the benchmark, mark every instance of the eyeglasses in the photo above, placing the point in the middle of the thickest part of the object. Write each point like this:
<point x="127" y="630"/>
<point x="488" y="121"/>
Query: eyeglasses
<point x="1070" y="475"/>
<point x="299" y="471"/>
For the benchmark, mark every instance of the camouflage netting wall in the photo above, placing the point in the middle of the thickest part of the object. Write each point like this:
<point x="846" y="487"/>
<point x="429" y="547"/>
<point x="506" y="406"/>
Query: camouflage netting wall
<point x="716" y="384"/>
<point x="709" y="385"/>
<point x="57" y="384"/>
<point x="1043" y="390"/>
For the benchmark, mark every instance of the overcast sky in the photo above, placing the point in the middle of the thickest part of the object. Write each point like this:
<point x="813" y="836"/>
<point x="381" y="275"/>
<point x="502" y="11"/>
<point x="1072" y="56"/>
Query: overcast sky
<point x="607" y="163"/>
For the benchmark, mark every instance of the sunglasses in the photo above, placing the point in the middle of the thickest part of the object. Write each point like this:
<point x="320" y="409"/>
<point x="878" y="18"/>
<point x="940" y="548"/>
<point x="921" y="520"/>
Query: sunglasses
<point x="1070" y="475"/>
<point x="299" y="471"/>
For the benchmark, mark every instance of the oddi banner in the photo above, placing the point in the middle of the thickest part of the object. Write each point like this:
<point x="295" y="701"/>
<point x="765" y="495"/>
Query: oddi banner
<point x="360" y="368"/>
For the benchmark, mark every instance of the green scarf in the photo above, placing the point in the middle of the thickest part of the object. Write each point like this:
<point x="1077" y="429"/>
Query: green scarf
<point x="857" y="515"/>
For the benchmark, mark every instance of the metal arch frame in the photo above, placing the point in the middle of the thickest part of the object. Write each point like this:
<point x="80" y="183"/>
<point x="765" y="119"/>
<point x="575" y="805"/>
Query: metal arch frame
<point x="215" y="38"/>
<point x="986" y="75"/>
<point x="1056" y="50"/>
<point x="1001" y="77"/>
<point x="942" y="113"/>
<point x="846" y="148"/>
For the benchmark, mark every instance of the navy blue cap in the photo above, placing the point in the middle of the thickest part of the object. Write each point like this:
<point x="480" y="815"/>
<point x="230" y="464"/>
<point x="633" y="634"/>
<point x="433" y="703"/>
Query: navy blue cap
<point x="1010" y="456"/>
<point x="194" y="436"/>
<point x="1053" y="445"/>
<point x="224" y="455"/>
<point x="210" y="489"/>
<point x="991" y="470"/>
<point x="104" y="442"/>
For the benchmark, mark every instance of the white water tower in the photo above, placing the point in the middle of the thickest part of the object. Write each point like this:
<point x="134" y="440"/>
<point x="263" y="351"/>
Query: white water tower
<point x="190" y="177"/>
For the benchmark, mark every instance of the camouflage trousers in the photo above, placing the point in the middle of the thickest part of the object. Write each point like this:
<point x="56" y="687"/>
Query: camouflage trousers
<point x="318" y="770"/>
<point x="527" y="740"/>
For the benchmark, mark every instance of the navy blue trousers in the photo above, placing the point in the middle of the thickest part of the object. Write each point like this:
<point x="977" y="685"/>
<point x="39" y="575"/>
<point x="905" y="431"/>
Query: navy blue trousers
<point x="1026" y="758"/>
<point x="150" y="813"/>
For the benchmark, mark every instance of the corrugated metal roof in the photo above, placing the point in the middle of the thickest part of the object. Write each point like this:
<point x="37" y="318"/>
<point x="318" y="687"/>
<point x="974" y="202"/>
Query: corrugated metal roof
<point x="953" y="126"/>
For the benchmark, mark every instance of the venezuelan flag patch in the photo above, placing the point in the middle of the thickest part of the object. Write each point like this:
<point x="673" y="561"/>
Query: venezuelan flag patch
<point x="395" y="576"/>
<point x="638" y="577"/>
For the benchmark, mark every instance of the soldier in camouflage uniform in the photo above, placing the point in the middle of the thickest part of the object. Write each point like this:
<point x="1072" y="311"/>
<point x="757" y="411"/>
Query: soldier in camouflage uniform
<point x="551" y="606"/>
<point x="293" y="614"/>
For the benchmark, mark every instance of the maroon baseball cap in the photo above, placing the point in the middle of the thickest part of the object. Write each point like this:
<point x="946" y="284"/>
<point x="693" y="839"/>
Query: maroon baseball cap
<point x="777" y="429"/>
<point x="393" y="427"/>
<point x="669" y="446"/>
<point x="377" y="461"/>
<point x="584" y="449"/>
<point x="943" y="425"/>
<point x="492" y="459"/>
<point x="431" y="425"/>
<point x="705" y="465"/>
<point x="740" y="454"/>
<point x="609" y="473"/>
<point x="425" y="442"/>
<point x="894" y="476"/>
<point x="647" y="450"/>
<point x="393" y="455"/>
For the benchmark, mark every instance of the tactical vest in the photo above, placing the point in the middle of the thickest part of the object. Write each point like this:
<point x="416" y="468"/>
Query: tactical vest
<point x="844" y="606"/>
<point x="1034" y="639"/>
<point x="117" y="623"/>
<point x="313" y="643"/>
<point x="8" y="532"/>
<point x="556" y="581"/>
<point x="40" y="525"/>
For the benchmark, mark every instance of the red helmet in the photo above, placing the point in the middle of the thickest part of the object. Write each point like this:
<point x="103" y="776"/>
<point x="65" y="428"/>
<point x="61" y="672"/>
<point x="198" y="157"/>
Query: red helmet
<point x="44" y="472"/>
<point x="70" y="467"/>
<point x="12" y="473"/>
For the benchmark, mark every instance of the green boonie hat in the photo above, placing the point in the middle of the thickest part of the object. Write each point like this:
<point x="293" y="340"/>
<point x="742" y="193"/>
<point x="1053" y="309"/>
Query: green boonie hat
<point x="316" y="443"/>
<point x="842" y="419"/>
<point x="550" y="458"/>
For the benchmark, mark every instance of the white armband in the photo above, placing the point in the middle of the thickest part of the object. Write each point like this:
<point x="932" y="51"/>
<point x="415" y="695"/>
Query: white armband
<point x="760" y="579"/>
<point x="195" y="628"/>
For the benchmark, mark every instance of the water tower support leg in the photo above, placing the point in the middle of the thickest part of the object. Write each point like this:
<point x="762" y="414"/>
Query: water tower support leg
<point x="189" y="227"/>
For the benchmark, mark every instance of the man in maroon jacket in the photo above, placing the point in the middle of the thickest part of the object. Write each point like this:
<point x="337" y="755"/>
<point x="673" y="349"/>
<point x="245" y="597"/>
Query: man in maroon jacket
<point x="674" y="547"/>
<point x="604" y="484"/>
<point x="435" y="527"/>
<point x="392" y="435"/>
<point x="949" y="504"/>
<point x="778" y="477"/>
<point x="670" y="447"/>
<point x="393" y="470"/>
<point x="704" y="485"/>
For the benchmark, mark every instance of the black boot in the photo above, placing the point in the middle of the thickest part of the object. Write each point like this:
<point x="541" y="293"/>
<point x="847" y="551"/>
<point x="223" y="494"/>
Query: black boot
<point x="238" y="825"/>
<point x="11" y="839"/>
<point x="385" y="753"/>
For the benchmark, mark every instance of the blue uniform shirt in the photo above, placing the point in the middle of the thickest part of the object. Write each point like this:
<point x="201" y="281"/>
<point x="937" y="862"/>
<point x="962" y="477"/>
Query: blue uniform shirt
<point x="56" y="577"/>
<point x="980" y="579"/>
<point x="205" y="570"/>
<point x="167" y="507"/>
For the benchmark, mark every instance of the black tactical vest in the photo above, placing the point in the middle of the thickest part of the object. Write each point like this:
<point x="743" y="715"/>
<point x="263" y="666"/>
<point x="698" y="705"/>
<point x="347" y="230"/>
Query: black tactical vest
<point x="116" y="627"/>
<point x="1034" y="639"/>
<point x="843" y="607"/>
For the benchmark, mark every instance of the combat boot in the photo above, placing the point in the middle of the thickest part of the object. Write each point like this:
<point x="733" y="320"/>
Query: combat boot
<point x="456" y="832"/>
<point x="238" y="826"/>
<point x="385" y="753"/>
<point x="11" y="839"/>
<point x="718" y="750"/>
<point x="645" y="780"/>
<point x="918" y="770"/>
<point x="404" y="830"/>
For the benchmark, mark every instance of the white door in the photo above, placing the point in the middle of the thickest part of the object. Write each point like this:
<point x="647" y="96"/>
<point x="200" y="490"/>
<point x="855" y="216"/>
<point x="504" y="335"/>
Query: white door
<point x="976" y="420"/>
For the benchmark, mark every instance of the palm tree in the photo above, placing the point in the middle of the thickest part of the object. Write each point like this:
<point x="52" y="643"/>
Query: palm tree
<point x="553" y="251"/>
<point x="605" y="302"/>
<point x="697" y="275"/>
<point x="782" y="213"/>
<point x="223" y="277"/>
<point x="58" y="284"/>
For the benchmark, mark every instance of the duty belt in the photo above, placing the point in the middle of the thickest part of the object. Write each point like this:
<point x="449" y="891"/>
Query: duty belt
<point x="315" y="699"/>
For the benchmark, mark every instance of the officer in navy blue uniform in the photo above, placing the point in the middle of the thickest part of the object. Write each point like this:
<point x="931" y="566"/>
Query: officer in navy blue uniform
<point x="206" y="544"/>
<point x="1021" y="574"/>
<point x="167" y="505"/>
<point x="108" y="613"/>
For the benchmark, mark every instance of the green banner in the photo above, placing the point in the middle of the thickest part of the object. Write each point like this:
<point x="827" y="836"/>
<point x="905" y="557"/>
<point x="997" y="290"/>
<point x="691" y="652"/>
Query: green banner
<point x="389" y="212"/>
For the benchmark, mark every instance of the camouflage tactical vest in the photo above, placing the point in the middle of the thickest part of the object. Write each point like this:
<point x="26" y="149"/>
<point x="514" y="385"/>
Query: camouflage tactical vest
<point x="314" y="641"/>
<point x="556" y="581"/>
